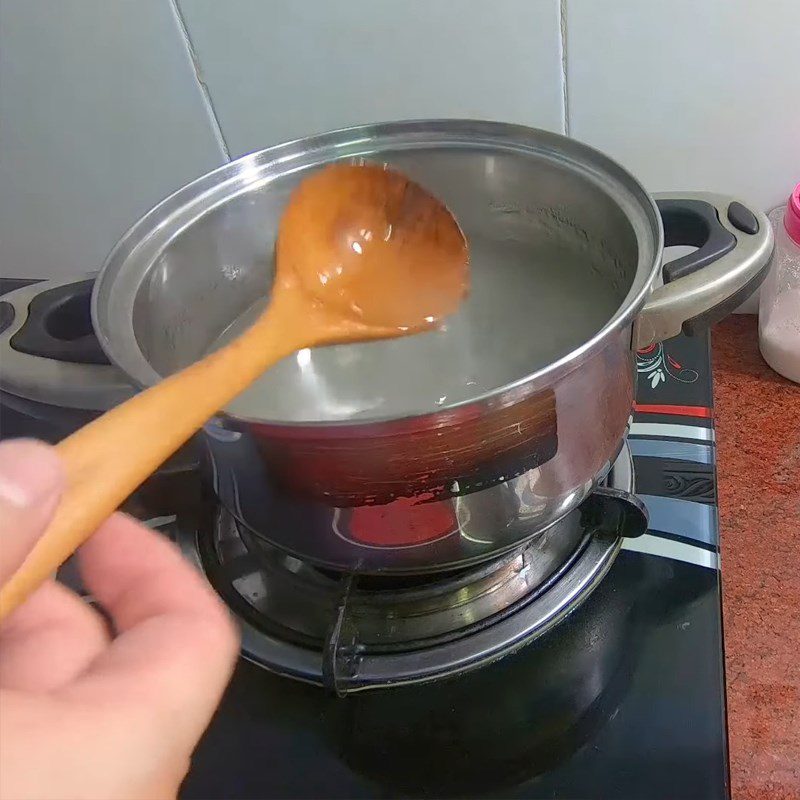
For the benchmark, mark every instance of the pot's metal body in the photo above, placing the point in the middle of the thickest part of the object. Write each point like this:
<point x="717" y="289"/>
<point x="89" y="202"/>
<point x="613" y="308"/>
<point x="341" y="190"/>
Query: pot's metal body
<point x="355" y="468"/>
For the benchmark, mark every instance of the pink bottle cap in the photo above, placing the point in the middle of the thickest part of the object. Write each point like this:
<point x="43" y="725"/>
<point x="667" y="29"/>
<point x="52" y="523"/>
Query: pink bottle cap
<point x="791" y="219"/>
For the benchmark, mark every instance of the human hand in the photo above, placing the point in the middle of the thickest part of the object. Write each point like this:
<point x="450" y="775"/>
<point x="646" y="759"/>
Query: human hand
<point x="84" y="712"/>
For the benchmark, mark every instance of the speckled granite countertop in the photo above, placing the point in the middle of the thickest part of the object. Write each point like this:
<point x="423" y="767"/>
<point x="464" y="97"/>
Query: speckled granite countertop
<point x="758" y="440"/>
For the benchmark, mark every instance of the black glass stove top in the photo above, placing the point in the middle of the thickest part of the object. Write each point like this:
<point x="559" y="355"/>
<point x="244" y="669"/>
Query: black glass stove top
<point x="623" y="699"/>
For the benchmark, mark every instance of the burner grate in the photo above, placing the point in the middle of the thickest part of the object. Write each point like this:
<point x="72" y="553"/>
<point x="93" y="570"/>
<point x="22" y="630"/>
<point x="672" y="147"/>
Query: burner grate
<point x="351" y="632"/>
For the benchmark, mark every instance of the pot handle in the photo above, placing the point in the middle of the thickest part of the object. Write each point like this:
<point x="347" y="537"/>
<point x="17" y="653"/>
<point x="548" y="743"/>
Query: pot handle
<point x="734" y="247"/>
<point x="41" y="357"/>
<point x="52" y="320"/>
<point x="615" y="512"/>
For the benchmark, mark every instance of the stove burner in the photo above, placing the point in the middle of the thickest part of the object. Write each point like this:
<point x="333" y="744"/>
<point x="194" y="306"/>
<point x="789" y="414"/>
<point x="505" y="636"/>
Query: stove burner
<point x="353" y="632"/>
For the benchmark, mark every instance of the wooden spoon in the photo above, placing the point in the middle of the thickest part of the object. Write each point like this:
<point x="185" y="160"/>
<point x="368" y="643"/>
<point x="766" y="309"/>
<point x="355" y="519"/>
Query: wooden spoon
<point x="362" y="253"/>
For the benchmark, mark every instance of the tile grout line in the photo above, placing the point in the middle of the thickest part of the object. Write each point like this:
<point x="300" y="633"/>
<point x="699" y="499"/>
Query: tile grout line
<point x="215" y="124"/>
<point x="564" y="85"/>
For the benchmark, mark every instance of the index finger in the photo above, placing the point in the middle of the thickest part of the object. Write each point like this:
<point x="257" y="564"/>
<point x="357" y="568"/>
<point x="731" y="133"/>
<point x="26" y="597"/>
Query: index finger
<point x="176" y="643"/>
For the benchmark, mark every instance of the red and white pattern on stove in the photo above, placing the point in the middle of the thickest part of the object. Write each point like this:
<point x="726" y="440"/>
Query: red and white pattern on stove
<point x="658" y="366"/>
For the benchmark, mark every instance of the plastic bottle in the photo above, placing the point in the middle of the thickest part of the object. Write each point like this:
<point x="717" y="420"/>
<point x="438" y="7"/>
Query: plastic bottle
<point x="779" y="306"/>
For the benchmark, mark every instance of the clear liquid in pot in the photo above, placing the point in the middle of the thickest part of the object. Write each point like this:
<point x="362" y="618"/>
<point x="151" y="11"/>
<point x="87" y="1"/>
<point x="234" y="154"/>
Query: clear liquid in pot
<point x="525" y="310"/>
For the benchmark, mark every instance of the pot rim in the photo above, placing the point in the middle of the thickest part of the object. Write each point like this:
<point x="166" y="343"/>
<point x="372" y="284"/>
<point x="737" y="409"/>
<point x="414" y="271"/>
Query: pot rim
<point x="131" y="258"/>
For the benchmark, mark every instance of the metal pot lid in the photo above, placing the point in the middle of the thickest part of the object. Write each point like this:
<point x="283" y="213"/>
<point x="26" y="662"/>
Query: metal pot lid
<point x="147" y="297"/>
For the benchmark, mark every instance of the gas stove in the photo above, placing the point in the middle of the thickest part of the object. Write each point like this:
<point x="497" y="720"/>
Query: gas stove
<point x="355" y="632"/>
<point x="587" y="663"/>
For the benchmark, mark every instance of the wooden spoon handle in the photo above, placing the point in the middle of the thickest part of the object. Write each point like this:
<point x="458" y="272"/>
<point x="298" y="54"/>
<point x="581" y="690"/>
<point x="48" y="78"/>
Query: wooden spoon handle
<point x="108" y="458"/>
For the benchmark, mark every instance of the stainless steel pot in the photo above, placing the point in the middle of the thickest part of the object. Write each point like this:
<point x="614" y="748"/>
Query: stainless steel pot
<point x="441" y="449"/>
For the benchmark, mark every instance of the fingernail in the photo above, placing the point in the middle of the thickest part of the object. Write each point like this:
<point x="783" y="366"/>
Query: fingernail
<point x="30" y="473"/>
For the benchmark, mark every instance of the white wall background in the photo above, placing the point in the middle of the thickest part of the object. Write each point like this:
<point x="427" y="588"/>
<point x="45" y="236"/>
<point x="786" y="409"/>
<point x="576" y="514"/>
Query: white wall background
<point x="106" y="106"/>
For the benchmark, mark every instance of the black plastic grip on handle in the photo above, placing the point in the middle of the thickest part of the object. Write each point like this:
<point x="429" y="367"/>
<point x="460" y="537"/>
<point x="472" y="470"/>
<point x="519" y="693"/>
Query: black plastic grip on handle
<point x="696" y="223"/>
<point x="59" y="326"/>
<point x="614" y="512"/>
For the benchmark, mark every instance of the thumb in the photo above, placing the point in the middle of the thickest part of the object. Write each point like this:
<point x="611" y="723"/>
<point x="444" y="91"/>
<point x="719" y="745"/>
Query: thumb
<point x="31" y="481"/>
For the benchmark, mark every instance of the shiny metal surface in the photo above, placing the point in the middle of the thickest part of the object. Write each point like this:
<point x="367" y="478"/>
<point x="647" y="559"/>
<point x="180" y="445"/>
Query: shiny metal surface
<point x="403" y="537"/>
<point x="297" y="596"/>
<point x="513" y="411"/>
<point x="209" y="246"/>
<point x="669" y="306"/>
<point x="537" y="206"/>
<point x="534" y="620"/>
<point x="285" y="607"/>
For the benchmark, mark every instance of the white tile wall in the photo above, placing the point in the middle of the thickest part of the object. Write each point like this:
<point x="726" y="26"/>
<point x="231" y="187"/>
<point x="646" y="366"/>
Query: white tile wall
<point x="101" y="116"/>
<point x="281" y="69"/>
<point x="690" y="94"/>
<point x="102" y="112"/>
